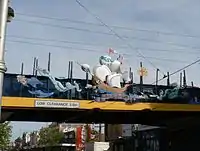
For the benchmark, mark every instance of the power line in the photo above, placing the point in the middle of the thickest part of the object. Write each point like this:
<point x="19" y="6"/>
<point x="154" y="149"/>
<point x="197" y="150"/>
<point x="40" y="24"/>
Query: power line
<point x="115" y="33"/>
<point x="114" y="26"/>
<point x="106" y="33"/>
<point x="92" y="44"/>
<point x="181" y="69"/>
<point x="91" y="50"/>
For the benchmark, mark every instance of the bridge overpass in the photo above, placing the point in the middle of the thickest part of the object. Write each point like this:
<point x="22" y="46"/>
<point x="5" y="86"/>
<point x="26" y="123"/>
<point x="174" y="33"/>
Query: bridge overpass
<point x="19" y="105"/>
<point x="81" y="111"/>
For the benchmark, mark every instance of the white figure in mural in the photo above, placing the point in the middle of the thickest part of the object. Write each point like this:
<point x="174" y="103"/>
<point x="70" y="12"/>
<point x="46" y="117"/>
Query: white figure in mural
<point x="58" y="85"/>
<point x="108" y="75"/>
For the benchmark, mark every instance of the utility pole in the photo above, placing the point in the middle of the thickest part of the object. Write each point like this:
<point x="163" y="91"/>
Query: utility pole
<point x="3" y="23"/>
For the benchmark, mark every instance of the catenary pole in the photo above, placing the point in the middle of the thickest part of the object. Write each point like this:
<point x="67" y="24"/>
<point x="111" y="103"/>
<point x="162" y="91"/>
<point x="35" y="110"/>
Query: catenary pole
<point x="3" y="23"/>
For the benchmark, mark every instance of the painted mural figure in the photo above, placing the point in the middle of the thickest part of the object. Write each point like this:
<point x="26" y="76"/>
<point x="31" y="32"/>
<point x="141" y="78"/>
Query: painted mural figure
<point x="110" y="75"/>
<point x="58" y="85"/>
<point x="33" y="83"/>
<point x="107" y="77"/>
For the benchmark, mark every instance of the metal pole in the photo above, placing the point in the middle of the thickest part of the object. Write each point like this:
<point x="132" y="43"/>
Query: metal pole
<point x="49" y="62"/>
<point x="34" y="61"/>
<point x="168" y="80"/>
<point x="87" y="76"/>
<point x="22" y="68"/>
<point x="157" y="72"/>
<point x="181" y="79"/>
<point x="71" y="77"/>
<point x="192" y="83"/>
<point x="36" y="66"/>
<point x="141" y="78"/>
<point x="184" y="79"/>
<point x="3" y="23"/>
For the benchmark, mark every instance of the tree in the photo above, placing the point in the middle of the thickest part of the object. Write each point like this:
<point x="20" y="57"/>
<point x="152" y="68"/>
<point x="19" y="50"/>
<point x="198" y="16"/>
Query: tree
<point x="50" y="136"/>
<point x="5" y="135"/>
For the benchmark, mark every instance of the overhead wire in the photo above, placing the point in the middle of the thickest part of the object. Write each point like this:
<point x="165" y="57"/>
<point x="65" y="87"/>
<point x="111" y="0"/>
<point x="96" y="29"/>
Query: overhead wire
<point x="116" y="34"/>
<point x="119" y="27"/>
<point x="108" y="34"/>
<point x="179" y="70"/>
<point x="91" y="50"/>
<point x="102" y="45"/>
<point x="126" y="28"/>
<point x="114" y="26"/>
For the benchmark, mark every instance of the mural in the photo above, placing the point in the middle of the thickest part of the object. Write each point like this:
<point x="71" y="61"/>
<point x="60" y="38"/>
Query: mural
<point x="36" y="87"/>
<point x="32" y="84"/>
<point x="58" y="85"/>
<point x="107" y="79"/>
<point x="111" y="82"/>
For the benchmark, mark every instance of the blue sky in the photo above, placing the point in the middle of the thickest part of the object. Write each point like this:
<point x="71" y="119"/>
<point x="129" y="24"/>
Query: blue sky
<point x="166" y="30"/>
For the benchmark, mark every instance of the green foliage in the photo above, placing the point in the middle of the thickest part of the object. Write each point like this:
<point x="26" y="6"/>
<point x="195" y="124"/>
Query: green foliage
<point x="50" y="136"/>
<point x="5" y="135"/>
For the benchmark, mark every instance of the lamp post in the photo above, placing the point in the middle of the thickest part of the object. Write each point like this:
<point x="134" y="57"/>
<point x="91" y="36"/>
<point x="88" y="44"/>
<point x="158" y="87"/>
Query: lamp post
<point x="6" y="15"/>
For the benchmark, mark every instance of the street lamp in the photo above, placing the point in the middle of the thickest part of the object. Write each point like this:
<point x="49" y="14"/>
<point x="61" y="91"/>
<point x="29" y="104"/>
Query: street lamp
<point x="6" y="15"/>
<point x="11" y="14"/>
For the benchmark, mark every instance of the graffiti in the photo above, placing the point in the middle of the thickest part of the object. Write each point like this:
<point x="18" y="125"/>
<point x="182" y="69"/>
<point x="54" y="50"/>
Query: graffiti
<point x="57" y="84"/>
<point x="33" y="83"/>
